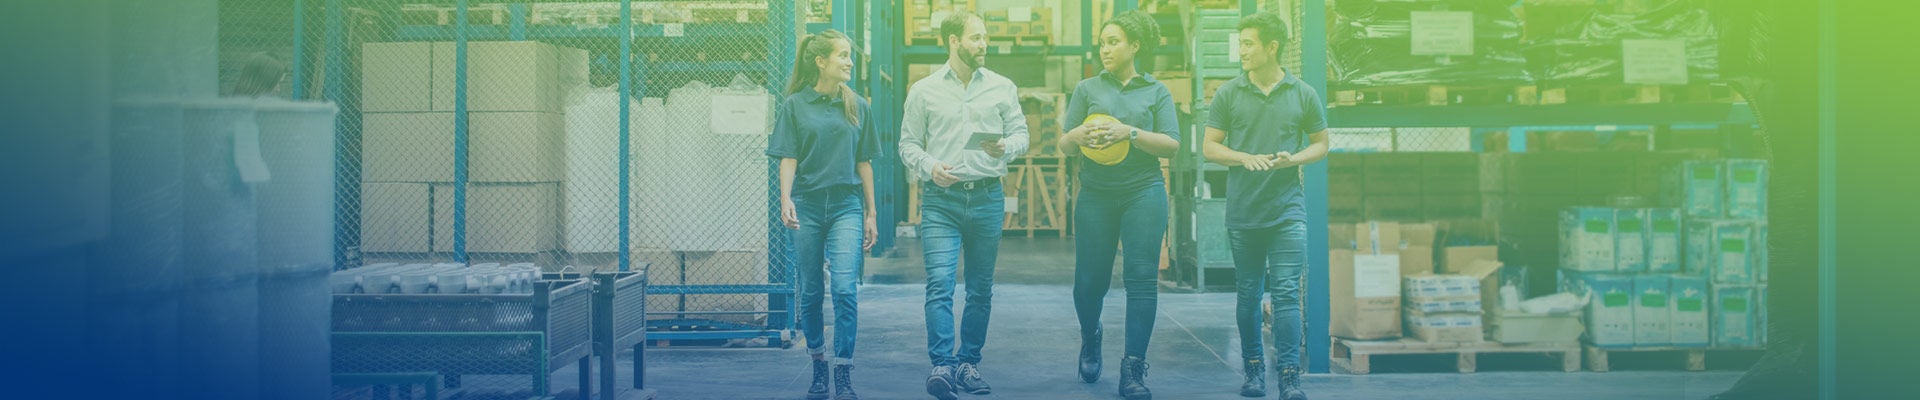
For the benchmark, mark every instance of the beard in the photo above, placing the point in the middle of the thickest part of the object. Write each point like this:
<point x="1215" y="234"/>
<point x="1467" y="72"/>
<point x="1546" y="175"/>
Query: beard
<point x="972" y="58"/>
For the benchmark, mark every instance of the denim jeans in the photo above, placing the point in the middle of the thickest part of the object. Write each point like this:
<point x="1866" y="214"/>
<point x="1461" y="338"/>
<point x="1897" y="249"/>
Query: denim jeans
<point x="1270" y="261"/>
<point x="1137" y="222"/>
<point x="959" y="223"/>
<point x="828" y="246"/>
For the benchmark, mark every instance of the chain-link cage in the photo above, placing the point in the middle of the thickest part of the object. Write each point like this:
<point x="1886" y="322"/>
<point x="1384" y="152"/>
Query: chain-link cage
<point x="575" y="136"/>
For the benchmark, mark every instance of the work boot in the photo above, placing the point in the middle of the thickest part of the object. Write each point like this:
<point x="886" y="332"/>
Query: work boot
<point x="1289" y="377"/>
<point x="970" y="380"/>
<point x="1255" y="372"/>
<point x="1090" y="357"/>
<point x="940" y="383"/>
<point x="1133" y="379"/>
<point x="818" y="391"/>
<point x="843" y="382"/>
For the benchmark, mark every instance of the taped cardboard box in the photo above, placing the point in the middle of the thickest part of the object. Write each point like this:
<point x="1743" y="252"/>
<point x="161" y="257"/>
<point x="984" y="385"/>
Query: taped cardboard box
<point x="1465" y="242"/>
<point x="1652" y="310"/>
<point x="1417" y="255"/>
<point x="395" y="217"/>
<point x="1689" y="325"/>
<point x="1610" y="308"/>
<point x="503" y="76"/>
<point x="501" y="217"/>
<point x="1703" y="189"/>
<point x="1446" y="328"/>
<point x="1630" y="240"/>
<point x="1663" y="240"/>
<point x="1747" y="189"/>
<point x="1733" y="320"/>
<point x="1364" y="296"/>
<point x="1587" y="239"/>
<point x="396" y="77"/>
<point x="503" y="147"/>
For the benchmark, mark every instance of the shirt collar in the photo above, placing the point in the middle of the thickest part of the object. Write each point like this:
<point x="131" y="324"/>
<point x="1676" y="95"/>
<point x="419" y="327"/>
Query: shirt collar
<point x="948" y="72"/>
<point x="815" y="97"/>
<point x="1142" y="80"/>
<point x="1287" y="81"/>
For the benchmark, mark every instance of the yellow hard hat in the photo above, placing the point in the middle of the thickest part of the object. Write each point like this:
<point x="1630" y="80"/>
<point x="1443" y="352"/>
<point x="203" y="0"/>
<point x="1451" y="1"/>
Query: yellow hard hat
<point x="1113" y="153"/>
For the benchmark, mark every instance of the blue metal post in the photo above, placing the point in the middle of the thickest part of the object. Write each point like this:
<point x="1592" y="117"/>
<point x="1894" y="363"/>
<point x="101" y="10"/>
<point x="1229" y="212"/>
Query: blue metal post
<point x="1313" y="60"/>
<point x="517" y="20"/>
<point x="780" y="251"/>
<point x="460" y="132"/>
<point x="299" y="49"/>
<point x="346" y="178"/>
<point x="626" y="164"/>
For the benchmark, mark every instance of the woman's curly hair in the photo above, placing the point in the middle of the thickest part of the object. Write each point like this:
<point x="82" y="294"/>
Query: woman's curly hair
<point x="1142" y="30"/>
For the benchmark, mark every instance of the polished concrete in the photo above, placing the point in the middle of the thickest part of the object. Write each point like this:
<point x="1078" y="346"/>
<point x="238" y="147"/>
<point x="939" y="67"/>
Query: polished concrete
<point x="1033" y="341"/>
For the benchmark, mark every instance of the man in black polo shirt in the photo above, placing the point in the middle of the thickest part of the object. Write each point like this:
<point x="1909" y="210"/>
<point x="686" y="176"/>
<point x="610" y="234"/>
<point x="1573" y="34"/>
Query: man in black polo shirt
<point x="1265" y="124"/>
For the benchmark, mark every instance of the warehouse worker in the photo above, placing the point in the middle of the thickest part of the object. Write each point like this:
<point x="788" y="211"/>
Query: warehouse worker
<point x="826" y="145"/>
<point x="1264" y="125"/>
<point x="962" y="125"/>
<point x="1121" y="123"/>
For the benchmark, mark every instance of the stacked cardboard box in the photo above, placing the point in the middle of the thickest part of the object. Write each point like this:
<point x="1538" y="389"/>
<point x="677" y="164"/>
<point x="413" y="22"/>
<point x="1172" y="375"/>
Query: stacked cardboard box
<point x="515" y="157"/>
<point x="923" y="17"/>
<point x="1726" y="244"/>
<point x="1364" y="271"/>
<point x="1019" y="21"/>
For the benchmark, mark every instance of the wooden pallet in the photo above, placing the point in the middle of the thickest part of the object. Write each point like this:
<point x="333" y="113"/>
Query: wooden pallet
<point x="1640" y="94"/>
<point x="1695" y="357"/>
<point x="1437" y="95"/>
<point x="1355" y="355"/>
<point x="1040" y="186"/>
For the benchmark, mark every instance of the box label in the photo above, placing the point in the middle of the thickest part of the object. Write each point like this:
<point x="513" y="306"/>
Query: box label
<point x="1653" y="300"/>
<point x="1376" y="276"/>
<point x="1690" y="305"/>
<point x="1442" y="33"/>
<point x="1616" y="299"/>
<point x="1654" y="61"/>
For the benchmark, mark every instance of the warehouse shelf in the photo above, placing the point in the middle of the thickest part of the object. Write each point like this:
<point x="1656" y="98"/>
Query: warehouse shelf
<point x="1413" y="116"/>
<point x="693" y="32"/>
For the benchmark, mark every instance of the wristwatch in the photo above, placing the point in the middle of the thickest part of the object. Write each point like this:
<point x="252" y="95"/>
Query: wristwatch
<point x="1132" y="134"/>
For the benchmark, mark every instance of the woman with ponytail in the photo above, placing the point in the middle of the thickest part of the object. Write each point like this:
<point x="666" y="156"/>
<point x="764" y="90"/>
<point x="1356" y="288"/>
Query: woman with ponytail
<point x="826" y="146"/>
<point x="1121" y="123"/>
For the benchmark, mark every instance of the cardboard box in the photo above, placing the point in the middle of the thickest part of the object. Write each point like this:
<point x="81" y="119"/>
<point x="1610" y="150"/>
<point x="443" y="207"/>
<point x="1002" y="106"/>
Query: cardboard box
<point x="1467" y="241"/>
<point x="395" y="217"/>
<point x="1733" y="316"/>
<point x="1446" y="328"/>
<point x="1652" y="310"/>
<point x="1469" y="304"/>
<point x="1762" y="256"/>
<point x="396" y="77"/>
<point x="736" y="267"/>
<point x="516" y="147"/>
<point x="1441" y="287"/>
<point x="406" y="147"/>
<point x="1630" y="240"/>
<point x="1703" y="188"/>
<point x="501" y="76"/>
<point x="1042" y="23"/>
<point x="1587" y="239"/>
<point x="1378" y="238"/>
<point x="1747" y="189"/>
<point x="1609" y="307"/>
<point x="1733" y="257"/>
<point x="501" y="217"/>
<point x="1364" y="296"/>
<point x="1521" y="328"/>
<point x="1416" y="257"/>
<point x="1689" y="323"/>
<point x="1663" y="240"/>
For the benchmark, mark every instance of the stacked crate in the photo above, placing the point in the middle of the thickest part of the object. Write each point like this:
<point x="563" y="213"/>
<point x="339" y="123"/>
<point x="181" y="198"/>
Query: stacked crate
<point x="515" y="160"/>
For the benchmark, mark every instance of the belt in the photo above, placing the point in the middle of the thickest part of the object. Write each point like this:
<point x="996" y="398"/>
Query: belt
<point x="977" y="184"/>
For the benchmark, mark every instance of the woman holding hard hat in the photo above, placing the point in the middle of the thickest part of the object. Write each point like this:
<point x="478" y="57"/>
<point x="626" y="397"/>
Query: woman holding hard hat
<point x="1122" y="122"/>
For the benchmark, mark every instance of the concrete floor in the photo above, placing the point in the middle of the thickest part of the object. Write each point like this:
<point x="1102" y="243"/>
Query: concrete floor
<point x="1032" y="344"/>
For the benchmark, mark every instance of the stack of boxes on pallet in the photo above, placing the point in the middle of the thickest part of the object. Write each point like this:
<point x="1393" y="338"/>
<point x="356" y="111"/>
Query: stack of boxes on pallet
<point x="1436" y="281"/>
<point x="1688" y="277"/>
<point x="516" y="125"/>
<point x="1404" y="186"/>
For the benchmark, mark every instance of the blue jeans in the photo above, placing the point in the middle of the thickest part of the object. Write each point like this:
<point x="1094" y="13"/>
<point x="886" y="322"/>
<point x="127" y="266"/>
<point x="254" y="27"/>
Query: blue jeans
<point x="828" y="243"/>
<point x="955" y="221"/>
<point x="1270" y="260"/>
<point x="1135" y="221"/>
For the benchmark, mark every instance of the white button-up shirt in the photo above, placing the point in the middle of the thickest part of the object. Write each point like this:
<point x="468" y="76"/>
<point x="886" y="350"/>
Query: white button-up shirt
<point x="941" y="115"/>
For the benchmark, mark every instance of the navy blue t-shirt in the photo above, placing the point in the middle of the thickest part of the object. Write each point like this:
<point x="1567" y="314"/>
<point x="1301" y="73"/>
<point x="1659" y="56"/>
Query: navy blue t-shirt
<point x="1262" y="123"/>
<point x="1142" y="103"/>
<point x="812" y="128"/>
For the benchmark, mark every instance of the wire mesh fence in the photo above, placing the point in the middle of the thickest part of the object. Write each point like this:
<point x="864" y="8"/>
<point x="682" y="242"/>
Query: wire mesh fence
<point x="593" y="135"/>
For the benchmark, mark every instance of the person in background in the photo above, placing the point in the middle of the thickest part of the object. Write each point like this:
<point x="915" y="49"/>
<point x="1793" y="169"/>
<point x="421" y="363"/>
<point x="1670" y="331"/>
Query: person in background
<point x="259" y="77"/>
<point x="962" y="124"/>
<point x="1265" y="124"/>
<point x="1122" y="204"/>
<point x="826" y="145"/>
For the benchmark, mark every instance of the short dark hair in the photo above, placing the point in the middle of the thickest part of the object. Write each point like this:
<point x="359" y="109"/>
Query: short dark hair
<point x="1271" y="28"/>
<point x="955" y="25"/>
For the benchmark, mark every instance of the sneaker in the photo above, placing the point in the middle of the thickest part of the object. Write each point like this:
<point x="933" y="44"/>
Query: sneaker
<point x="970" y="381"/>
<point x="940" y="383"/>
